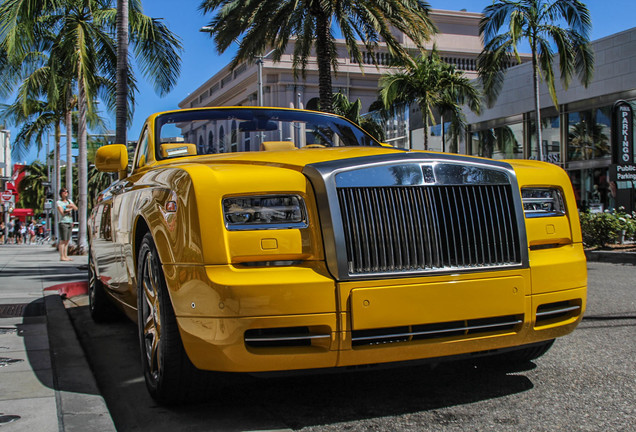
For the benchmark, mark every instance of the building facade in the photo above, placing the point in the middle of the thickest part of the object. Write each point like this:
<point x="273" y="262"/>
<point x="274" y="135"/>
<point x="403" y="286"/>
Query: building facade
<point x="458" y="43"/>
<point x="576" y="135"/>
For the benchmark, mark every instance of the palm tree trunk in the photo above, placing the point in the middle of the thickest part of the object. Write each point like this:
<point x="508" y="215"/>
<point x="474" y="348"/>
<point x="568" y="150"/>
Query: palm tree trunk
<point x="121" y="116"/>
<point x="324" y="59"/>
<point x="425" y="118"/>
<point x="82" y="163"/>
<point x="69" y="149"/>
<point x="57" y="186"/>
<point x="537" y="109"/>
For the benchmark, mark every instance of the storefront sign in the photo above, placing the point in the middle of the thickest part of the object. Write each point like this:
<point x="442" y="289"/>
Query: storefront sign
<point x="626" y="172"/>
<point x="623" y="151"/>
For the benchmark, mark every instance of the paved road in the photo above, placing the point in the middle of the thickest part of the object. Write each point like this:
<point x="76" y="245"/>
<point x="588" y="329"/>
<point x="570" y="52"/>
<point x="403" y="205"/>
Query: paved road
<point x="586" y="382"/>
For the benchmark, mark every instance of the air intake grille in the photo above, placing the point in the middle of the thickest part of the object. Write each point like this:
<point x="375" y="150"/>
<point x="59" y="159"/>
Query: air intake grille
<point x="455" y="330"/>
<point x="425" y="228"/>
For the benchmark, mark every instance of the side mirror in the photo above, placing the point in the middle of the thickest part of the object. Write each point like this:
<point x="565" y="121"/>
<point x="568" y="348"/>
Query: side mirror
<point x="112" y="158"/>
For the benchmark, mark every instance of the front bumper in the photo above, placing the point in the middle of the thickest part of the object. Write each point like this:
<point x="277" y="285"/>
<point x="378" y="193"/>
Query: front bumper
<point x="273" y="319"/>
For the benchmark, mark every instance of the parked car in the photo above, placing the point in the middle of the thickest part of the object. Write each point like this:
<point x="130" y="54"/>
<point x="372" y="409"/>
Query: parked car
<point x="264" y="239"/>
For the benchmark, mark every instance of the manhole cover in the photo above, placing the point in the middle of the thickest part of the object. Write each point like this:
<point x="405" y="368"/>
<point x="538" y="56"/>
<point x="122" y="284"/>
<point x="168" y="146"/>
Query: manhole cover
<point x="21" y="310"/>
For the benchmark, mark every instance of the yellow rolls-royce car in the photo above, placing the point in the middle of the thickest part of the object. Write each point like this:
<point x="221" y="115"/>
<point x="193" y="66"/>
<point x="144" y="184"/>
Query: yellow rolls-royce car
<point x="263" y="239"/>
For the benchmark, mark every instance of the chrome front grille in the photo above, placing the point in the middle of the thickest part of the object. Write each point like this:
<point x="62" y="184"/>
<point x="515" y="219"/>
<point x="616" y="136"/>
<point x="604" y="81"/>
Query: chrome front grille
<point x="412" y="213"/>
<point x="401" y="229"/>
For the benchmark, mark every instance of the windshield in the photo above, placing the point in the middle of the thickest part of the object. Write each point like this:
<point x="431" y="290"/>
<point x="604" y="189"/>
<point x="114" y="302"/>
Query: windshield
<point x="224" y="130"/>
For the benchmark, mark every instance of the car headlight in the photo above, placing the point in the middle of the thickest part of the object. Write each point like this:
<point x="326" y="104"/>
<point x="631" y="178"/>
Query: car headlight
<point x="264" y="212"/>
<point x="542" y="202"/>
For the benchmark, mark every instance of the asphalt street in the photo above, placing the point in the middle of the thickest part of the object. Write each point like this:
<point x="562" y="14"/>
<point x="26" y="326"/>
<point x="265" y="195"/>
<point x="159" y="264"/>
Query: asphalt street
<point x="586" y="382"/>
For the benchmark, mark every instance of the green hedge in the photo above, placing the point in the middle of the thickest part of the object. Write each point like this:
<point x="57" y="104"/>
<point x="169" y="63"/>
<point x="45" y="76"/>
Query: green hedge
<point x="609" y="227"/>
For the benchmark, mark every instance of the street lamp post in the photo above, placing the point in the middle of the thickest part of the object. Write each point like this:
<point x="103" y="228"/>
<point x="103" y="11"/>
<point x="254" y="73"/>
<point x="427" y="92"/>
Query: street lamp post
<point x="6" y="152"/>
<point x="259" y="79"/>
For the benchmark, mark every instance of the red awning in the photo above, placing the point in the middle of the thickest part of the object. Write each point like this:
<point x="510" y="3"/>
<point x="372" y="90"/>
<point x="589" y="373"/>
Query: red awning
<point x="22" y="213"/>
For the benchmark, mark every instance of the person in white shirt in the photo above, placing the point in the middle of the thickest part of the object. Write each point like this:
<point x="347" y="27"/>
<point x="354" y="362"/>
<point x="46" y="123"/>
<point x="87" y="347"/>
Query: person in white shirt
<point x="65" y="207"/>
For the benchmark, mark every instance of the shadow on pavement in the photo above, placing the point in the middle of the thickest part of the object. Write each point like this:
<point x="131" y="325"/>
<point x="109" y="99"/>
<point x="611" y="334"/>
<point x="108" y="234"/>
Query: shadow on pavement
<point x="246" y="402"/>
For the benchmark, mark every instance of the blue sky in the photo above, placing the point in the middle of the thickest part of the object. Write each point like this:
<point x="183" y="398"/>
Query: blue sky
<point x="200" y="59"/>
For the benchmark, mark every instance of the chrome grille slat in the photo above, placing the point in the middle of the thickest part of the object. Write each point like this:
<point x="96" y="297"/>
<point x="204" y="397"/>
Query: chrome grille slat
<point x="513" y="237"/>
<point x="483" y="224"/>
<point x="446" y="234"/>
<point x="467" y="328"/>
<point x="493" y="225"/>
<point x="557" y="311"/>
<point x="506" y="235"/>
<point x="426" y="205"/>
<point x="405" y="229"/>
<point x="285" y="338"/>
<point x="466" y="223"/>
<point x="458" y="263"/>
<point x="435" y="258"/>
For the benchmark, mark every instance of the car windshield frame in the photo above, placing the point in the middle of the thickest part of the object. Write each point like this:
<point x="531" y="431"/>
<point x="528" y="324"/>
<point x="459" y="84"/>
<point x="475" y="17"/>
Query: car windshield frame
<point x="301" y="128"/>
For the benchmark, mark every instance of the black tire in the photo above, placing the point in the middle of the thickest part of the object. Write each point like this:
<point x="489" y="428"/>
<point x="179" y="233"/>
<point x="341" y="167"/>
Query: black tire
<point x="99" y="305"/>
<point x="524" y="355"/>
<point x="170" y="376"/>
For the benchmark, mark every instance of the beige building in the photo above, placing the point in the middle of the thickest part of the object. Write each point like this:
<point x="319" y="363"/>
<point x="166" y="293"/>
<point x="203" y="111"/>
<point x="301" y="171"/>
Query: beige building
<point x="458" y="42"/>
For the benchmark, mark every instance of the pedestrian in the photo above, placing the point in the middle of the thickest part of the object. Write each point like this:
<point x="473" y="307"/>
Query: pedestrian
<point x="23" y="233"/>
<point x="31" y="232"/>
<point x="65" y="206"/>
<point x="17" y="228"/>
<point x="10" y="231"/>
<point x="2" y="237"/>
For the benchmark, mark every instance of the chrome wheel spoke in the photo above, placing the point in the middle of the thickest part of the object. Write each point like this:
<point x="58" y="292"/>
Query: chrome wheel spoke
<point x="151" y="315"/>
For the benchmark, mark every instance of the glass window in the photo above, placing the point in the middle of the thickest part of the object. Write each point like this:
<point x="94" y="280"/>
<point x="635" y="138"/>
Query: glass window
<point x="221" y="140"/>
<point x="504" y="142"/>
<point x="551" y="137"/>
<point x="589" y="134"/>
<point x="235" y="127"/>
<point x="592" y="189"/>
<point x="210" y="143"/>
<point x="143" y="152"/>
<point x="233" y="137"/>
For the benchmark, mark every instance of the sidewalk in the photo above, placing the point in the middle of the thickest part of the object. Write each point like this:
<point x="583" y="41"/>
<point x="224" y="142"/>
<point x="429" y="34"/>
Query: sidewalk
<point x="45" y="381"/>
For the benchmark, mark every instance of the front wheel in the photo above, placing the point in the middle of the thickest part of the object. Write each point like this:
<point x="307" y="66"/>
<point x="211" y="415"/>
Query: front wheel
<point x="170" y="376"/>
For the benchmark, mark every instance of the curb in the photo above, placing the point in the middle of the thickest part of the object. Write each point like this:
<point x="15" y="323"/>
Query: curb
<point x="80" y="405"/>
<point x="611" y="257"/>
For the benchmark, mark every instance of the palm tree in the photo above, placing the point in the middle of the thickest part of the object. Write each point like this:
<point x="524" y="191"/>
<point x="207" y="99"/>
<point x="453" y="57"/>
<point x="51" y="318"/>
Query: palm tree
<point x="36" y="119"/>
<point x="434" y="86"/>
<point x="588" y="140"/>
<point x="540" y="23"/>
<point x="97" y="182"/>
<point x="32" y="194"/>
<point x="351" y="111"/>
<point x="156" y="49"/>
<point x="84" y="43"/>
<point x="121" y="115"/>
<point x="260" y="24"/>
